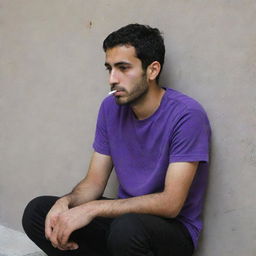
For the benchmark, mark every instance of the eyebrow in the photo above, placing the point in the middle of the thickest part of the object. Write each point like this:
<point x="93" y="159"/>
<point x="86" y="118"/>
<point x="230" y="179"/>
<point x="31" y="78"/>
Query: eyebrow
<point x="118" y="64"/>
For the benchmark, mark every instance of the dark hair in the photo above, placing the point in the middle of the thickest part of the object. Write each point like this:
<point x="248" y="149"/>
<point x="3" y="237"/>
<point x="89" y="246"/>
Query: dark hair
<point x="148" y="43"/>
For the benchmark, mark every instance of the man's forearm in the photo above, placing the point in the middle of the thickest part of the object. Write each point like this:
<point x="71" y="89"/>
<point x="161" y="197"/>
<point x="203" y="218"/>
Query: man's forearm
<point x="156" y="204"/>
<point x="82" y="193"/>
<point x="93" y="185"/>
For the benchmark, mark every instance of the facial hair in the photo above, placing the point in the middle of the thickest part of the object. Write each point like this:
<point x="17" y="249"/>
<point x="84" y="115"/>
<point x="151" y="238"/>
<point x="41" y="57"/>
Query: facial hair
<point x="137" y="93"/>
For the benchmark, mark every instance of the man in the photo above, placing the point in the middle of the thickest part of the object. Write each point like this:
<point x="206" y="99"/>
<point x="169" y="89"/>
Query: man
<point x="158" y="141"/>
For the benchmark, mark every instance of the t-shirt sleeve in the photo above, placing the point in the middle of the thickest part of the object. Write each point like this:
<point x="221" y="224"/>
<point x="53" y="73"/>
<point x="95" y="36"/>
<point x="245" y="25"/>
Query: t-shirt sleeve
<point x="191" y="138"/>
<point x="101" y="143"/>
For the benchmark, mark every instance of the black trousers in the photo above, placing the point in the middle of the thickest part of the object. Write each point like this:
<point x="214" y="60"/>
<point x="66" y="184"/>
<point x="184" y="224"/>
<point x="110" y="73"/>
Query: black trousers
<point x="127" y="235"/>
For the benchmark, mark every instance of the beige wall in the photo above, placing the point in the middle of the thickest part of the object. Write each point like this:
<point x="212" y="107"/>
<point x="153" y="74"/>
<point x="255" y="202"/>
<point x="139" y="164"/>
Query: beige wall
<point x="52" y="81"/>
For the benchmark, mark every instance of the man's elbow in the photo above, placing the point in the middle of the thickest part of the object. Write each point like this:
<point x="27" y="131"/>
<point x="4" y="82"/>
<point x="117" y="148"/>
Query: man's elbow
<point x="171" y="211"/>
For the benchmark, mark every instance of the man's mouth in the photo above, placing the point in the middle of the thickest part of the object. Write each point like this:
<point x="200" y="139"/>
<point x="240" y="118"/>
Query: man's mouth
<point x="117" y="91"/>
<point x="112" y="92"/>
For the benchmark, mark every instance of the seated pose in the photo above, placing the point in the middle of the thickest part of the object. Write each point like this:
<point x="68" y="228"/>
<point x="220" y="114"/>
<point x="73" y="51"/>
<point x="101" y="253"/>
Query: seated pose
<point x="157" y="140"/>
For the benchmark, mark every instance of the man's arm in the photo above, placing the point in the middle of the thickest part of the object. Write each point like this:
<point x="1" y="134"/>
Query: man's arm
<point x="90" y="188"/>
<point x="93" y="185"/>
<point x="166" y="204"/>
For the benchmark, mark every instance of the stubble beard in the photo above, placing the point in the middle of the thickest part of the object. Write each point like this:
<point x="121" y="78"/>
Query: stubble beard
<point x="136" y="95"/>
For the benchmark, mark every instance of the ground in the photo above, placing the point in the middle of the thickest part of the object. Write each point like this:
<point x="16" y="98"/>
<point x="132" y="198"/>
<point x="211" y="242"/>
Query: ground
<point x="15" y="243"/>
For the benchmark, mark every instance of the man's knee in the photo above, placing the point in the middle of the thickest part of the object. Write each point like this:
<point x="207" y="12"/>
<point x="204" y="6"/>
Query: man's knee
<point x="35" y="212"/>
<point x="29" y="212"/>
<point x="127" y="233"/>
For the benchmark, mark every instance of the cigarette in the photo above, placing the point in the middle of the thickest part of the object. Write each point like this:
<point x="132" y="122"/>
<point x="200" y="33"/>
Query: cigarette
<point x="112" y="92"/>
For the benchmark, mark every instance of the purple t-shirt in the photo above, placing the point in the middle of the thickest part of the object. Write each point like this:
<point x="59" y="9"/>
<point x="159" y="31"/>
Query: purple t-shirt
<point x="141" y="150"/>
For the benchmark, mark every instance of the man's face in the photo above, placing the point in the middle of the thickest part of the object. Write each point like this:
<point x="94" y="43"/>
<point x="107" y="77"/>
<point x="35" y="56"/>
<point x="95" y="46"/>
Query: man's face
<point x="126" y="74"/>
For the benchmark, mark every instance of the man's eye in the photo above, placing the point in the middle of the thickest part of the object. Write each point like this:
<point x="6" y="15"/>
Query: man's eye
<point x="108" y="69"/>
<point x="123" y="68"/>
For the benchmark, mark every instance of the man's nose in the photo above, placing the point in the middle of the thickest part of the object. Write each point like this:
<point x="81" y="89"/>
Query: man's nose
<point x="113" y="77"/>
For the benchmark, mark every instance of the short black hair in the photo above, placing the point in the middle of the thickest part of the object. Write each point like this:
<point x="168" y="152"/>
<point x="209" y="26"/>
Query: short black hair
<point x="148" y="43"/>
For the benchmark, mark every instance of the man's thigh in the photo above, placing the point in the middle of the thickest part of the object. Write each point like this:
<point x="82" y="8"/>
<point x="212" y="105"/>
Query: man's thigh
<point x="93" y="237"/>
<point x="142" y="234"/>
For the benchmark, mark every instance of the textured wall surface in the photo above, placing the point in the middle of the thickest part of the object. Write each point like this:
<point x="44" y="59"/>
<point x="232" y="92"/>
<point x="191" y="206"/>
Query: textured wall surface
<point x="52" y="81"/>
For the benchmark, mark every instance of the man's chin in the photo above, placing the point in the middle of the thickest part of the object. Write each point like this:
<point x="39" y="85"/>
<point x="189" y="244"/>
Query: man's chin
<point x="121" y="101"/>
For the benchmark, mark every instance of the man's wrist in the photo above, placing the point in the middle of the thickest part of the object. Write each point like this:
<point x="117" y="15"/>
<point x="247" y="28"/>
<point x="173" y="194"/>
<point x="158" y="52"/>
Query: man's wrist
<point x="94" y="208"/>
<point x="65" y="200"/>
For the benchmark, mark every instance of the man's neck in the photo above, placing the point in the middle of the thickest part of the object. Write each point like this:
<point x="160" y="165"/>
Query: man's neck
<point x="150" y="102"/>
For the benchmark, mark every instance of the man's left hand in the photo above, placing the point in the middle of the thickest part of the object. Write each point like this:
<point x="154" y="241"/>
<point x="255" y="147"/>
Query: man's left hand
<point x="66" y="223"/>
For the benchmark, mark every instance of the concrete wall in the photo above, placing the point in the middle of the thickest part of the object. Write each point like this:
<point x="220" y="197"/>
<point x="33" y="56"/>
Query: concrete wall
<point x="52" y="81"/>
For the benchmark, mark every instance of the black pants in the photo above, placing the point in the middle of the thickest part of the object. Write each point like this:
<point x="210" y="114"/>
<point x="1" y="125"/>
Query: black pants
<point x="129" y="234"/>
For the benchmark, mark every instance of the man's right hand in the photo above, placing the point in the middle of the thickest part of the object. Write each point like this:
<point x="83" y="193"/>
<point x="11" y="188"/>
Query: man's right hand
<point x="58" y="208"/>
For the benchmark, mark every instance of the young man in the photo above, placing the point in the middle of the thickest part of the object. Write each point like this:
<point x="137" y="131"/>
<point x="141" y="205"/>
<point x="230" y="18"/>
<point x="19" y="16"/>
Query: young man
<point x="158" y="141"/>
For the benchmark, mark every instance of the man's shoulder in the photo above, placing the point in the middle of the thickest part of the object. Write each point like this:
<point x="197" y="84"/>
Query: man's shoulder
<point x="183" y="102"/>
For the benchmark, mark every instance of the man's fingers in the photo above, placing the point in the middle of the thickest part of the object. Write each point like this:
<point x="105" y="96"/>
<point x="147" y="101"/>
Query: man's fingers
<point x="50" y="222"/>
<point x="54" y="237"/>
<point x="63" y="239"/>
<point x="72" y="246"/>
<point x="60" y="235"/>
<point x="48" y="229"/>
<point x="69" y="246"/>
<point x="64" y="236"/>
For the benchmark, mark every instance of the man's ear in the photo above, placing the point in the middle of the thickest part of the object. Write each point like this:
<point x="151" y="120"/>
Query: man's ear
<point x="153" y="70"/>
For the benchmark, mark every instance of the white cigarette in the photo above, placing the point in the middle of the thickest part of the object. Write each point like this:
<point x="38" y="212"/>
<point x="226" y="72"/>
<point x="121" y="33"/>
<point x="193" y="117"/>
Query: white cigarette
<point x="112" y="92"/>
